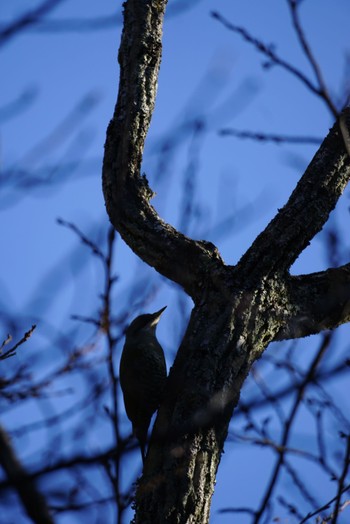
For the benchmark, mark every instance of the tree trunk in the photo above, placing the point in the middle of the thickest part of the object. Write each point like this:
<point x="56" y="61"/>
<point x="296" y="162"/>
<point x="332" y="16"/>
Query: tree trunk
<point x="224" y="336"/>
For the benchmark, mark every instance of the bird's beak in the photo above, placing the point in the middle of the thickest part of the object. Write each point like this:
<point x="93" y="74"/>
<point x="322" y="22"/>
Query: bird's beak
<point x="156" y="316"/>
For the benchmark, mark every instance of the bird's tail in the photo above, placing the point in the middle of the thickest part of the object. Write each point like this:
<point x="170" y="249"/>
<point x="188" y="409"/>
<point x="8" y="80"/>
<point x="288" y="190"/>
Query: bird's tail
<point x="141" y="436"/>
<point x="143" y="450"/>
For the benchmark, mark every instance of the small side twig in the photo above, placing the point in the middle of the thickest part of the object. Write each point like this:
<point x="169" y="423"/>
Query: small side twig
<point x="288" y="425"/>
<point x="29" y="18"/>
<point x="12" y="351"/>
<point x="85" y="240"/>
<point x="319" y="88"/>
<point x="341" y="481"/>
<point x="324" y="507"/>
<point x="266" y="50"/>
<point x="293" y="5"/>
<point x="270" y="137"/>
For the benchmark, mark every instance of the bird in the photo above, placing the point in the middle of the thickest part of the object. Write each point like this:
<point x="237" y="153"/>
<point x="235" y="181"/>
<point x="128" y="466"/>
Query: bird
<point x="142" y="374"/>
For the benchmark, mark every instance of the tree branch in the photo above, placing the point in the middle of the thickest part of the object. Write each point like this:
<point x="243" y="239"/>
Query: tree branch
<point x="323" y="90"/>
<point x="273" y="58"/>
<point x="268" y="51"/>
<point x="127" y="194"/>
<point x="270" y="137"/>
<point x="26" y="20"/>
<point x="307" y="209"/>
<point x="32" y="500"/>
<point x="341" y="481"/>
<point x="12" y="351"/>
<point x="317" y="301"/>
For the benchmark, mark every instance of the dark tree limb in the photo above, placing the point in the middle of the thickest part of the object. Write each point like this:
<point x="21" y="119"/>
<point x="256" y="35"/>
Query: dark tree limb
<point x="33" y="502"/>
<point x="306" y="211"/>
<point x="316" y="302"/>
<point x="127" y="194"/>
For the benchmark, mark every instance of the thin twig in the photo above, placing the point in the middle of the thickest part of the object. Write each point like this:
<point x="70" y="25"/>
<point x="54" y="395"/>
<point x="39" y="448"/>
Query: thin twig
<point x="85" y="240"/>
<point x="341" y="481"/>
<point x="266" y="50"/>
<point x="288" y="425"/>
<point x="322" y="508"/>
<point x="12" y="351"/>
<point x="310" y="57"/>
<point x="6" y="341"/>
<point x="271" y="137"/>
<point x="319" y="90"/>
<point x="27" y="19"/>
<point x="106" y="325"/>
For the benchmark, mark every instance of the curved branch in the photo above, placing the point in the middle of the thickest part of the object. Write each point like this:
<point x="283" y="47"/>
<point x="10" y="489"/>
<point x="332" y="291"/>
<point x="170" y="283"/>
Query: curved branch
<point x="317" y="301"/>
<point x="127" y="194"/>
<point x="307" y="209"/>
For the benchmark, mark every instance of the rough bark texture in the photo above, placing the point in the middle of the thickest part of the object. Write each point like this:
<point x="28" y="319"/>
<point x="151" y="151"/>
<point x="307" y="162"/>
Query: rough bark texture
<point x="238" y="310"/>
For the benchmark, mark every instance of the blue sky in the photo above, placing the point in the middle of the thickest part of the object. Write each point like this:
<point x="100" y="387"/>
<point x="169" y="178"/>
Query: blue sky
<point x="207" y="74"/>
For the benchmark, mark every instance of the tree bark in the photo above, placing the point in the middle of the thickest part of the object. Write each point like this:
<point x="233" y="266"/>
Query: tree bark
<point x="238" y="309"/>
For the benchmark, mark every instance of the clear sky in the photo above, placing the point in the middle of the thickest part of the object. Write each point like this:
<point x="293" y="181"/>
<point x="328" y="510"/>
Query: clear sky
<point x="68" y="80"/>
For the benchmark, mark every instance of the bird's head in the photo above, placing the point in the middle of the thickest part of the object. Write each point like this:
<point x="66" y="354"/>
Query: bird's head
<point x="147" y="322"/>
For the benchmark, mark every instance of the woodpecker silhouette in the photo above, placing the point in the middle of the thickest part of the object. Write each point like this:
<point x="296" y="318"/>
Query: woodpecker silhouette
<point x="142" y="374"/>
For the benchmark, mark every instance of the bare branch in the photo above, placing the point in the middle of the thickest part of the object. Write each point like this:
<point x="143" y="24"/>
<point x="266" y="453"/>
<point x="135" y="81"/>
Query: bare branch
<point x="267" y="51"/>
<point x="316" y="302"/>
<point x="324" y="507"/>
<point x="32" y="500"/>
<point x="319" y="90"/>
<point x="98" y="23"/>
<point x="29" y="18"/>
<point x="12" y="351"/>
<point x="288" y="426"/>
<point x="269" y="137"/>
<point x="342" y="481"/>
<point x="294" y="226"/>
<point x="323" y="90"/>
<point x="84" y="239"/>
<point x="78" y="25"/>
<point x="127" y="194"/>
